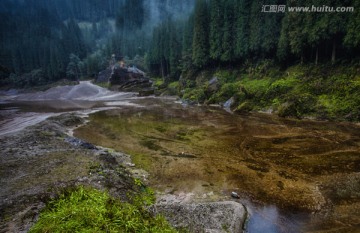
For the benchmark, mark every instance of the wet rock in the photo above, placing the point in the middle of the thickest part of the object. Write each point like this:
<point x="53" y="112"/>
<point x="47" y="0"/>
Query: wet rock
<point x="235" y="195"/>
<point x="147" y="92"/>
<point x="130" y="164"/>
<point x="228" y="104"/>
<point x="108" y="158"/>
<point x="214" y="85"/>
<point x="133" y="85"/>
<point x="69" y="120"/>
<point x="213" y="217"/>
<point x="129" y="79"/>
<point x="79" y="143"/>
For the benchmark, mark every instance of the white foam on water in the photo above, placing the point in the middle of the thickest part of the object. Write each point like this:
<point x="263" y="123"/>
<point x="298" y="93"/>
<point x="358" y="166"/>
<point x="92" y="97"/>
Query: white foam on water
<point x="85" y="97"/>
<point x="83" y="91"/>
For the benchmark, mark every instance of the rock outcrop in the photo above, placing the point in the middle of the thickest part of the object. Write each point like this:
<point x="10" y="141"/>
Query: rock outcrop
<point x="212" y="217"/>
<point x="129" y="79"/>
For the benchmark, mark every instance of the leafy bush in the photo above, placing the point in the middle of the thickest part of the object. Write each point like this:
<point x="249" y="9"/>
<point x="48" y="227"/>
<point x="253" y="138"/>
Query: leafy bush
<point x="226" y="91"/>
<point x="281" y="87"/>
<point x="90" y="210"/>
<point x="195" y="95"/>
<point x="297" y="105"/>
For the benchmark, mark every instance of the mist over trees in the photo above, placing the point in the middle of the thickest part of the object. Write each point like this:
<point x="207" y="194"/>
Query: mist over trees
<point x="236" y="31"/>
<point x="44" y="37"/>
<point x="41" y="39"/>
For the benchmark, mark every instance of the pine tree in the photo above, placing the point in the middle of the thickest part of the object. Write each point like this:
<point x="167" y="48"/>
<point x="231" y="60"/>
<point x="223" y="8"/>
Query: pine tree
<point x="297" y="37"/>
<point x="228" y="32"/>
<point x="271" y="31"/>
<point x="256" y="28"/>
<point x="283" y="49"/>
<point x="73" y="70"/>
<point x="201" y="34"/>
<point x="352" y="36"/>
<point x="175" y="48"/>
<point x="242" y="30"/>
<point x="216" y="25"/>
<point x="188" y="35"/>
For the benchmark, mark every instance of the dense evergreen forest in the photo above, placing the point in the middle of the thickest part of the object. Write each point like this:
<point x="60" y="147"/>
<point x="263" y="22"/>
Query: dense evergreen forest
<point x="50" y="40"/>
<point x="235" y="53"/>
<point x="236" y="31"/>
<point x="45" y="41"/>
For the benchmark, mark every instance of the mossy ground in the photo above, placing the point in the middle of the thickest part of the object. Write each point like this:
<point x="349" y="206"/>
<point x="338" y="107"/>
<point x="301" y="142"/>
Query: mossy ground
<point x="323" y="92"/>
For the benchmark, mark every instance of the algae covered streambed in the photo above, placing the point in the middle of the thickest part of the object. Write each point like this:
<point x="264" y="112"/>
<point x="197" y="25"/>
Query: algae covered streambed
<point x="305" y="168"/>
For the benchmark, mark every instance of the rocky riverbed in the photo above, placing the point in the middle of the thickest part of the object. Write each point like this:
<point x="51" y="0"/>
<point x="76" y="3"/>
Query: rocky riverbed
<point x="293" y="176"/>
<point x="41" y="161"/>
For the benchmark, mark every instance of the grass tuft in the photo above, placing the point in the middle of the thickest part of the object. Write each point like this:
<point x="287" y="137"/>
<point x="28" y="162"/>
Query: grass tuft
<point x="91" y="210"/>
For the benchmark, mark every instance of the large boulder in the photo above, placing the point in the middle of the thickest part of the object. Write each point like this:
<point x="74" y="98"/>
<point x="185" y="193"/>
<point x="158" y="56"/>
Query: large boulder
<point x="214" y="217"/>
<point x="129" y="79"/>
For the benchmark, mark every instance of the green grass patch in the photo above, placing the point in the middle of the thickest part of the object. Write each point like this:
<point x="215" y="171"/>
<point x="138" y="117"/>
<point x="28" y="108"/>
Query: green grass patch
<point x="91" y="210"/>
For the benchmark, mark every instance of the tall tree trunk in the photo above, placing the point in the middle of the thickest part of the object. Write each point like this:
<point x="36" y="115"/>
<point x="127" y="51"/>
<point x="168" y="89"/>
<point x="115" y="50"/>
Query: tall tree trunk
<point x="317" y="55"/>
<point x="333" y="55"/>
<point x="162" y="69"/>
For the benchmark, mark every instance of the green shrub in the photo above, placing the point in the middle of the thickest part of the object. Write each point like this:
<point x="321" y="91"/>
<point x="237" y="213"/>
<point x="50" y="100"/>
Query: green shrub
<point x="174" y="85"/>
<point x="173" y="88"/>
<point x="158" y="82"/>
<point x="195" y="95"/>
<point x="226" y="91"/>
<point x="226" y="76"/>
<point x="90" y="210"/>
<point x="281" y="87"/>
<point x="297" y="104"/>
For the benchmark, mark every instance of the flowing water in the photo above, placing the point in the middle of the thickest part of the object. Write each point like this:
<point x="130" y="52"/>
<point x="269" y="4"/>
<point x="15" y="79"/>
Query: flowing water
<point x="18" y="111"/>
<point x="292" y="175"/>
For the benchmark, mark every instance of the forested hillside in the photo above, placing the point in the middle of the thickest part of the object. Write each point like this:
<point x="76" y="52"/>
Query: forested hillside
<point x="233" y="32"/>
<point x="238" y="54"/>
<point x="44" y="41"/>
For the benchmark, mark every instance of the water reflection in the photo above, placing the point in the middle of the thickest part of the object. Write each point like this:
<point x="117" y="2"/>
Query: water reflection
<point x="264" y="220"/>
<point x="268" y="219"/>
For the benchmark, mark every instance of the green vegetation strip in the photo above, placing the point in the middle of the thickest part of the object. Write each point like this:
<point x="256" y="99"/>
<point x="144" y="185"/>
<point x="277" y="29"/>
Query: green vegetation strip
<point x="89" y="210"/>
